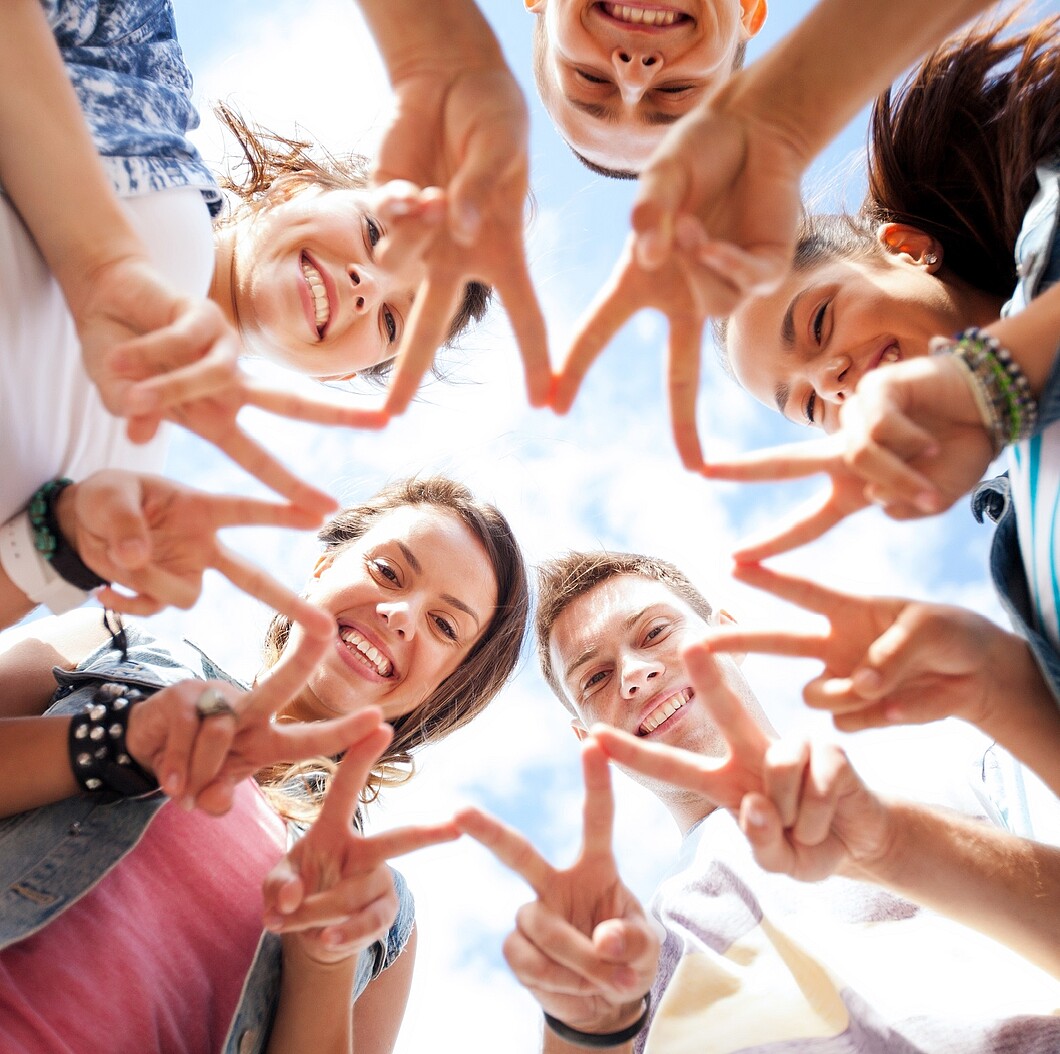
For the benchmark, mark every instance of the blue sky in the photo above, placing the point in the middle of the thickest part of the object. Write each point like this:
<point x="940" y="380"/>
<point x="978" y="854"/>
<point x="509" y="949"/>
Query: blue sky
<point x="606" y="475"/>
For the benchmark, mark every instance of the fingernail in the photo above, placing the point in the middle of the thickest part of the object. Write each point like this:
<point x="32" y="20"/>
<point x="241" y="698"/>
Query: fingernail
<point x="171" y="784"/>
<point x="926" y="501"/>
<point x="131" y="551"/>
<point x="865" y="681"/>
<point x="650" y="248"/>
<point x="187" y="804"/>
<point x="756" y="817"/>
<point x="467" y="222"/>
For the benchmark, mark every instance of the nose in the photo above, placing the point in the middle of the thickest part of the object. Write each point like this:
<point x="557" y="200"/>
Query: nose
<point x="367" y="289"/>
<point x="399" y="617"/>
<point x="635" y="68"/>
<point x="835" y="378"/>
<point x="636" y="674"/>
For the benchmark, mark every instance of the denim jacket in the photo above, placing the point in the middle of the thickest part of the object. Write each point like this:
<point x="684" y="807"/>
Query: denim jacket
<point x="1038" y="265"/>
<point x="50" y="857"/>
<point x="128" y="71"/>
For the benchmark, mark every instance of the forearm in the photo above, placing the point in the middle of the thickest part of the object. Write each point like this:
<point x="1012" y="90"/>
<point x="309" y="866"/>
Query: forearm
<point x="413" y="36"/>
<point x="841" y="55"/>
<point x="1033" y="336"/>
<point x="552" y="1044"/>
<point x="14" y="604"/>
<point x="34" y="763"/>
<point x="1004" y="886"/>
<point x="1021" y="712"/>
<point x="314" y="1010"/>
<point x="48" y="162"/>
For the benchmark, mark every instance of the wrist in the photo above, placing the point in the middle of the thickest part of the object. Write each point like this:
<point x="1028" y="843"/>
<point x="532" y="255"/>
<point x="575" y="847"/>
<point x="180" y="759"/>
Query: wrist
<point x="619" y="1028"/>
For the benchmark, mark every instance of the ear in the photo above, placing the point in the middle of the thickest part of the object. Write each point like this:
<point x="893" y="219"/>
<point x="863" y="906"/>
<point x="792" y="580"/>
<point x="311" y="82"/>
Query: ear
<point x="579" y="730"/>
<point x="902" y="239"/>
<point x="752" y="17"/>
<point x="324" y="561"/>
<point x="725" y="619"/>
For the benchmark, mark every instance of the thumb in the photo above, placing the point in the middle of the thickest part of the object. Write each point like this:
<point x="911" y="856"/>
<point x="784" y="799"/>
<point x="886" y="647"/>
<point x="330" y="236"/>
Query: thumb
<point x="886" y="663"/>
<point x="661" y="193"/>
<point x="117" y="511"/>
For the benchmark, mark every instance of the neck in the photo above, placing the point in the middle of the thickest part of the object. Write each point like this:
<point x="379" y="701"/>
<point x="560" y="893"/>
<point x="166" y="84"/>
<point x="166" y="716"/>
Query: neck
<point x="689" y="811"/>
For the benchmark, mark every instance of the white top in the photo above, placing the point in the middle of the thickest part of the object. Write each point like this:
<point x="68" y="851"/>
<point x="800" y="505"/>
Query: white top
<point x="52" y="422"/>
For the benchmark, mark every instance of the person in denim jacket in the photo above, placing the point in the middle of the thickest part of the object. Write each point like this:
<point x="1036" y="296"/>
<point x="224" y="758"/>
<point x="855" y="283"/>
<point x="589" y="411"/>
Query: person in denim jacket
<point x="158" y="906"/>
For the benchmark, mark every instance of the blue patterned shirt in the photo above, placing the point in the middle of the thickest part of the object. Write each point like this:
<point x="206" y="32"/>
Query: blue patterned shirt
<point x="127" y="68"/>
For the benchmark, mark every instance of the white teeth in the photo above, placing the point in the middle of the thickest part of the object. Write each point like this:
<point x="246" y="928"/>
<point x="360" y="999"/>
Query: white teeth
<point x="354" y="640"/>
<point x="321" y="308"/>
<point x="666" y="710"/>
<point x="641" y="15"/>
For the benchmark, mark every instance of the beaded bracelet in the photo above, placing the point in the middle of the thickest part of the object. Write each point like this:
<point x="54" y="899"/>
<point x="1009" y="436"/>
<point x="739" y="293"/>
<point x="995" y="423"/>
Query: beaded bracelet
<point x="98" y="755"/>
<point x="50" y="541"/>
<point x="1002" y="393"/>
<point x="600" y="1039"/>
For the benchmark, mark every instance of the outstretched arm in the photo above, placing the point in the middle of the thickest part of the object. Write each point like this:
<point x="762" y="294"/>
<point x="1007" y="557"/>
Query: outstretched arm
<point x="809" y="815"/>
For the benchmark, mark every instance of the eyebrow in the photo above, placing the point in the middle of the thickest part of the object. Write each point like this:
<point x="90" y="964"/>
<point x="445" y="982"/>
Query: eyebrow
<point x="447" y="597"/>
<point x="610" y="115"/>
<point x="628" y="623"/>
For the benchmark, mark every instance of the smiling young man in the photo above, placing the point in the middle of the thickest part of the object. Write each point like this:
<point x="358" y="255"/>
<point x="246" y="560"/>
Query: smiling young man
<point x="751" y="960"/>
<point x="614" y="77"/>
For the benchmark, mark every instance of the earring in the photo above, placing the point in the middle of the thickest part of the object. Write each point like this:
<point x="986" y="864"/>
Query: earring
<point x="930" y="259"/>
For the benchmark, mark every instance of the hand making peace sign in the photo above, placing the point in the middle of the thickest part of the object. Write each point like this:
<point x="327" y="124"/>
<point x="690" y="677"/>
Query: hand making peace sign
<point x="584" y="947"/>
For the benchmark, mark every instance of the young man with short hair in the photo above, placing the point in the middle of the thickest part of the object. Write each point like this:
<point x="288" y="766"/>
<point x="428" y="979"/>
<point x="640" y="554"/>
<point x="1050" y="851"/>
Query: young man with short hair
<point x="752" y="960"/>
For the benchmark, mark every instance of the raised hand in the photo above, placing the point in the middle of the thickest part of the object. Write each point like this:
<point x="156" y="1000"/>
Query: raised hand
<point x="584" y="947"/>
<point x="802" y="807"/>
<point x="157" y="537"/>
<point x="886" y="660"/>
<point x="333" y="893"/>
<point x="463" y="129"/>
<point x="629" y="289"/>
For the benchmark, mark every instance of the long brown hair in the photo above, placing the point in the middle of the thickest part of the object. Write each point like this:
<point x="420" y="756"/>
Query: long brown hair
<point x="953" y="150"/>
<point x="489" y="664"/>
<point x="273" y="164"/>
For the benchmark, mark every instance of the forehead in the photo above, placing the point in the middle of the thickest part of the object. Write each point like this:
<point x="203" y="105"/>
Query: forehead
<point x="602" y="615"/>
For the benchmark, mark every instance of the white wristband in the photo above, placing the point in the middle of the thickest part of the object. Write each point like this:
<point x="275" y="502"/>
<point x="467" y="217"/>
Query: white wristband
<point x="30" y="572"/>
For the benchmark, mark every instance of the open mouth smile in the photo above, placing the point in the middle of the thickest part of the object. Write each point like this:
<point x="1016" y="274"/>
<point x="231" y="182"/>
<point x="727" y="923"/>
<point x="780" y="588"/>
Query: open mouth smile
<point x="318" y="294"/>
<point x="643" y="17"/>
<point x="363" y="651"/>
<point x="664" y="711"/>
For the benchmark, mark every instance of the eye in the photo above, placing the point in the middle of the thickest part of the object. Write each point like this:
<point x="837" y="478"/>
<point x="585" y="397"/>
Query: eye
<point x="654" y="632"/>
<point x="818" y="322"/>
<point x="593" y="680"/>
<point x="381" y="569"/>
<point x="811" y="409"/>
<point x="592" y="78"/>
<point x="676" y="89"/>
<point x="445" y="627"/>
<point x="391" y="325"/>
<point x="374" y="233"/>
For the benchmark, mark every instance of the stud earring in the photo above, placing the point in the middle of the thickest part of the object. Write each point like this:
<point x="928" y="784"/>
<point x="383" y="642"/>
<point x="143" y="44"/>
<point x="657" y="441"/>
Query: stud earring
<point x="931" y="258"/>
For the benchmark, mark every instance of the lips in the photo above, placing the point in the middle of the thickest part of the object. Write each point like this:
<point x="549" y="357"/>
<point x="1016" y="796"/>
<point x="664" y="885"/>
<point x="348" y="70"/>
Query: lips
<point x="317" y="293"/>
<point x="639" y="16"/>
<point x="364" y="655"/>
<point x="663" y="708"/>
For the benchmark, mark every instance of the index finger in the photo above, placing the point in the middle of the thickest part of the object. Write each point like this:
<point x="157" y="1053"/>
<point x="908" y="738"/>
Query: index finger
<point x="528" y="324"/>
<point x="817" y="517"/>
<point x="801" y="591"/>
<point x="435" y="305"/>
<point x="321" y="411"/>
<point x="599" y="809"/>
<point x="404" y="840"/>
<point x="608" y="313"/>
<point x="790" y="461"/>
<point x="685" y="335"/>
<point x="509" y="847"/>
<point x="344" y="790"/>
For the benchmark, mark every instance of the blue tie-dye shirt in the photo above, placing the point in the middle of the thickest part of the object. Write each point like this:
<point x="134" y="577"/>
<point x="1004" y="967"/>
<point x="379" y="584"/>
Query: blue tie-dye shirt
<point x="127" y="68"/>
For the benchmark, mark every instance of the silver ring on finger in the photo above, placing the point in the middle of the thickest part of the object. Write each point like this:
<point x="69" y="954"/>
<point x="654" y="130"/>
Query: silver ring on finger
<point x="213" y="704"/>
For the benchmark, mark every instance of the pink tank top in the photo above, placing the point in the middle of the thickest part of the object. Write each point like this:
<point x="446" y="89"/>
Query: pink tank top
<point x="153" y="958"/>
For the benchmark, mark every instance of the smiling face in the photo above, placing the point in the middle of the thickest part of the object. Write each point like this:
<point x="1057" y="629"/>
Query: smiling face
<point x="616" y="652"/>
<point x="306" y="290"/>
<point x="803" y="349"/>
<point x="613" y="77"/>
<point x="410" y="598"/>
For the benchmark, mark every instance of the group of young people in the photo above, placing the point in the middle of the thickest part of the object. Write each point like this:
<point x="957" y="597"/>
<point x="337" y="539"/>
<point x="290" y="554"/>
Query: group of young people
<point x="806" y="912"/>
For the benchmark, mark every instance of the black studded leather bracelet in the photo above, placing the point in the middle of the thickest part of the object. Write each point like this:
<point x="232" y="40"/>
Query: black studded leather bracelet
<point x="98" y="755"/>
<point x="600" y="1039"/>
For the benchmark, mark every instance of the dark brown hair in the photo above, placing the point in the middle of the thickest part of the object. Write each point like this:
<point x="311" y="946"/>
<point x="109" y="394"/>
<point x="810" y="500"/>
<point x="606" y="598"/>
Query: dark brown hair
<point x="953" y="149"/>
<point x="562" y="580"/>
<point x="482" y="674"/>
<point x="274" y="163"/>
